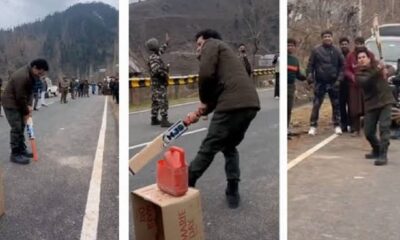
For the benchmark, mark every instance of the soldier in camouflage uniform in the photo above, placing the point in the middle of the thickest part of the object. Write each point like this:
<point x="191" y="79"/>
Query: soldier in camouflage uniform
<point x="63" y="86"/>
<point x="159" y="81"/>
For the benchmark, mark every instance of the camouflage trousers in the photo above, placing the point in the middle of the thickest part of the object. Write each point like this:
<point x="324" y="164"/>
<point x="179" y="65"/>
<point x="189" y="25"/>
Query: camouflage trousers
<point x="320" y="89"/>
<point x="159" y="98"/>
<point x="17" y="138"/>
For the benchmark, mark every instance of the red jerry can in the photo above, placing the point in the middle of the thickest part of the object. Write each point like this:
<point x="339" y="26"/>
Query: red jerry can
<point x="172" y="172"/>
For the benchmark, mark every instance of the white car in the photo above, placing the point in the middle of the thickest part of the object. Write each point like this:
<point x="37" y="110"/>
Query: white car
<point x="52" y="90"/>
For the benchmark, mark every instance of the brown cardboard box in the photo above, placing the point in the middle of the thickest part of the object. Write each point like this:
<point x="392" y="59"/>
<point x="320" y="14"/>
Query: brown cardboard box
<point x="160" y="216"/>
<point x="2" y="209"/>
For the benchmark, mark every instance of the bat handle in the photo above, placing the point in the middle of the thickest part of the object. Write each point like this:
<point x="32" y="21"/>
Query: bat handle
<point x="187" y="121"/>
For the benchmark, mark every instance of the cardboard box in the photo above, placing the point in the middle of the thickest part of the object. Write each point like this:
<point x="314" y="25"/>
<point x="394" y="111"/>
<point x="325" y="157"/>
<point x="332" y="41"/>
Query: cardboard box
<point x="2" y="209"/>
<point x="160" y="216"/>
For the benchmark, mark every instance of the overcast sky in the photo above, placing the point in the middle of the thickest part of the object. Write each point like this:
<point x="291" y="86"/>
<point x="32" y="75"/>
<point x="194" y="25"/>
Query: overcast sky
<point x="17" y="12"/>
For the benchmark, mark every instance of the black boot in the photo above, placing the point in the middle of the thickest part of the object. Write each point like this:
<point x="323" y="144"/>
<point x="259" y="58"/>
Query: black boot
<point x="26" y="153"/>
<point x="232" y="194"/>
<point x="382" y="159"/>
<point x="19" y="158"/>
<point x="374" y="153"/>
<point x="165" y="123"/>
<point x="192" y="181"/>
<point x="155" y="121"/>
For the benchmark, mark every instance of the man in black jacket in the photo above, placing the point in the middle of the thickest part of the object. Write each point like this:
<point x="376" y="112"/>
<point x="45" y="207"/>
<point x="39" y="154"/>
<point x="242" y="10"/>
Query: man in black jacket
<point x="17" y="102"/>
<point x="326" y="69"/>
<point x="226" y="90"/>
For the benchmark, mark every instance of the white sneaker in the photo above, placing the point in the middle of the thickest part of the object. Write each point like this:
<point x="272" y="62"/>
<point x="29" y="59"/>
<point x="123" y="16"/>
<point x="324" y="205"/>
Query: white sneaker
<point x="312" y="131"/>
<point x="276" y="97"/>
<point x="338" y="130"/>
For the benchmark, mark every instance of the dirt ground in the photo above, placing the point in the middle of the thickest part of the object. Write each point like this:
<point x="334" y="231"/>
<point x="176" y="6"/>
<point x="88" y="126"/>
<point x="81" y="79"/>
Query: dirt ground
<point x="300" y="122"/>
<point x="300" y="125"/>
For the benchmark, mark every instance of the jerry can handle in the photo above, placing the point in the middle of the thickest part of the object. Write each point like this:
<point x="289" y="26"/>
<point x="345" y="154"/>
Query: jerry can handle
<point x="172" y="151"/>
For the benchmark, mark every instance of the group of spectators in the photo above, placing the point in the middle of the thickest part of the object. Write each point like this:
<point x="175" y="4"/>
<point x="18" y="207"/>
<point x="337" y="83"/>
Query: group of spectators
<point x="357" y="84"/>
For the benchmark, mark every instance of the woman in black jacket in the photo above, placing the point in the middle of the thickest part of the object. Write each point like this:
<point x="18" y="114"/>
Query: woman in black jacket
<point x="378" y="101"/>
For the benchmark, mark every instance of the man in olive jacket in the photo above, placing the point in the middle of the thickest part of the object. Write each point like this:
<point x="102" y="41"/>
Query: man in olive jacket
<point x="17" y="101"/>
<point x="226" y="90"/>
<point x="378" y="102"/>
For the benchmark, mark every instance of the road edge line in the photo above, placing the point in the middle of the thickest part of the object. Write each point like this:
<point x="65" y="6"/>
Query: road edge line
<point x="310" y="151"/>
<point x="91" y="217"/>
<point x="186" y="133"/>
<point x="188" y="103"/>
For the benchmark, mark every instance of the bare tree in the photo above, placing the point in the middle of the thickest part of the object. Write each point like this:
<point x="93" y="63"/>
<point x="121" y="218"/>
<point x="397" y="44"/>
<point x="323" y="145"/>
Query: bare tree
<point x="256" y="23"/>
<point x="307" y="18"/>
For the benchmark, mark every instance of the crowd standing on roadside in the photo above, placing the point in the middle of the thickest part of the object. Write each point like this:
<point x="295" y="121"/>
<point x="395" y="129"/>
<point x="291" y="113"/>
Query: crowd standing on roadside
<point x="358" y="85"/>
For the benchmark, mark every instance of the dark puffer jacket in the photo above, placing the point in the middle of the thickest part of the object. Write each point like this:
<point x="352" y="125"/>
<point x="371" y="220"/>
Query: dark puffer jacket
<point x="326" y="63"/>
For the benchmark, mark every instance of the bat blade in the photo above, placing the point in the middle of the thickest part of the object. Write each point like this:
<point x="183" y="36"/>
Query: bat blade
<point x="34" y="150"/>
<point x="156" y="146"/>
<point x="29" y="128"/>
<point x="375" y="27"/>
<point x="145" y="155"/>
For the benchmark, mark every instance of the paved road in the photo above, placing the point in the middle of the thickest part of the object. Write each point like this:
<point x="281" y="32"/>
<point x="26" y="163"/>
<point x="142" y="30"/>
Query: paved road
<point x="46" y="200"/>
<point x="257" y="218"/>
<point x="337" y="194"/>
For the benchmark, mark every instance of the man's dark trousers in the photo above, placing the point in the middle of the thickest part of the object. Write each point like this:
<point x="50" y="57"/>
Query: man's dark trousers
<point x="319" y="94"/>
<point x="226" y="131"/>
<point x="344" y="105"/>
<point x="371" y="119"/>
<point x="290" y="101"/>
<point x="17" y="124"/>
<point x="276" y="90"/>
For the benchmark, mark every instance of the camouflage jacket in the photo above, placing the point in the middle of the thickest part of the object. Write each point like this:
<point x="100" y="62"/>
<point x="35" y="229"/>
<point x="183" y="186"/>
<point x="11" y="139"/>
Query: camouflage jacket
<point x="157" y="68"/>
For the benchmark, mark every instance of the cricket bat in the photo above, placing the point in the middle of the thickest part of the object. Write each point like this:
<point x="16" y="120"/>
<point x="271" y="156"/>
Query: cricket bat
<point x="156" y="146"/>
<point x="375" y="30"/>
<point x="31" y="135"/>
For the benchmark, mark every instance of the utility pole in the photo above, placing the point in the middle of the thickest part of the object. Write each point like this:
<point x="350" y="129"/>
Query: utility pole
<point x="360" y="8"/>
<point x="393" y="4"/>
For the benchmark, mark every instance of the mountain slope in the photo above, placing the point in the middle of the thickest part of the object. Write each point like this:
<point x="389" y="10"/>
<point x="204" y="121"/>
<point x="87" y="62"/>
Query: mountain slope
<point x="238" y="21"/>
<point x="78" y="40"/>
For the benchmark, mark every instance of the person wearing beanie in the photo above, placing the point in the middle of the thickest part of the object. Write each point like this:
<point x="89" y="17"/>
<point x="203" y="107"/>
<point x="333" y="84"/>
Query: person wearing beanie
<point x="159" y="82"/>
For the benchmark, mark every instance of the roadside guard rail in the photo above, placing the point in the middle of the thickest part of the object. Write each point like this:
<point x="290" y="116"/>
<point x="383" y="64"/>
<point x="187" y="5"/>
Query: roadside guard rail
<point x="187" y="79"/>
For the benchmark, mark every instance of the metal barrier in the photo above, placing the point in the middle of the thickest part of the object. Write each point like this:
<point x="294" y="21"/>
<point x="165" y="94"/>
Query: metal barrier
<point x="189" y="79"/>
<point x="186" y="86"/>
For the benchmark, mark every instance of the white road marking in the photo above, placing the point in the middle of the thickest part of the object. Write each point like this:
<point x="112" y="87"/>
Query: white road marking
<point x="91" y="217"/>
<point x="188" y="103"/>
<point x="172" y="106"/>
<point x="186" y="133"/>
<point x="309" y="152"/>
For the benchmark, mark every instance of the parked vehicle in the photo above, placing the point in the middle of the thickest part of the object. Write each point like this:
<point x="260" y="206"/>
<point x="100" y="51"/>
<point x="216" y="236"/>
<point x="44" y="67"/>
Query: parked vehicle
<point x="52" y="90"/>
<point x="390" y="40"/>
